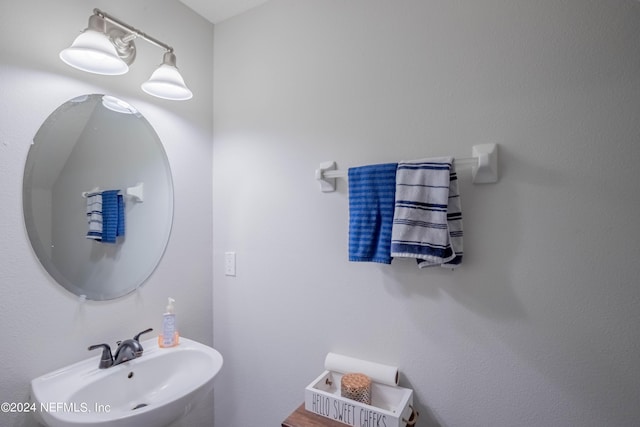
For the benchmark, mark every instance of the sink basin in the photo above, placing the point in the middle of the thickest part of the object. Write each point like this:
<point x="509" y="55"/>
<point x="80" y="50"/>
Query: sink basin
<point x="153" y="390"/>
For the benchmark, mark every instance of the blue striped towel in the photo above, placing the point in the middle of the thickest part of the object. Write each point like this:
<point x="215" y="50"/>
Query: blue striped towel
<point x="120" y="230"/>
<point x="427" y="222"/>
<point x="112" y="216"/>
<point x="94" y="216"/>
<point x="371" y="196"/>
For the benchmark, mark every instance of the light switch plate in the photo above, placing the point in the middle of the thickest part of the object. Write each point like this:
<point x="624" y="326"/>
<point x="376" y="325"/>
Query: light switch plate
<point x="230" y="263"/>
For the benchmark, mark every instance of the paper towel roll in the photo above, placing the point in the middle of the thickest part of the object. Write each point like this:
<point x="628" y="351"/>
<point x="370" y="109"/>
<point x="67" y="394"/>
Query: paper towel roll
<point x="379" y="373"/>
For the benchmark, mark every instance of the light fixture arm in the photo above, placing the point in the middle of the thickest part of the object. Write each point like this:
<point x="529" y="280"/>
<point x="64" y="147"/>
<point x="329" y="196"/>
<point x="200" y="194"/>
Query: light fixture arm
<point x="133" y="32"/>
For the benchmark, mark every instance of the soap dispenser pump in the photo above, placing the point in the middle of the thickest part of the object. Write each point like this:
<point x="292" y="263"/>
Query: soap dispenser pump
<point x="169" y="336"/>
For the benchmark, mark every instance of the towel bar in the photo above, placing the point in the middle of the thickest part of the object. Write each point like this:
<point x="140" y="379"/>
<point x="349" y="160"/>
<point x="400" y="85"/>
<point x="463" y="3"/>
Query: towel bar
<point x="484" y="165"/>
<point x="136" y="192"/>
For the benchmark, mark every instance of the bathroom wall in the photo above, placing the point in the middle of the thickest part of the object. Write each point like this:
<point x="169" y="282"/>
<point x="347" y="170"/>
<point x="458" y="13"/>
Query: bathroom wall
<point x="43" y="326"/>
<point x="539" y="326"/>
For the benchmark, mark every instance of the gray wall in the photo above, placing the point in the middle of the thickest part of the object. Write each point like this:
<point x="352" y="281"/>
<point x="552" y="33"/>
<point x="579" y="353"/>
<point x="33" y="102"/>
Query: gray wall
<point x="539" y="327"/>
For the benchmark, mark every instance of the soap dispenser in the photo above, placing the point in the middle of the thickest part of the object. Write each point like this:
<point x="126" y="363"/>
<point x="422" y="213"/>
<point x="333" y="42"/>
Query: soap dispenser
<point x="169" y="336"/>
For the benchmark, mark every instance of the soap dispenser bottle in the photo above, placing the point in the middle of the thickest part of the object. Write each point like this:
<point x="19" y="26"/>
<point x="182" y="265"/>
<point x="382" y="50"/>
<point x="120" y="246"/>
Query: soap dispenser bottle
<point x="169" y="336"/>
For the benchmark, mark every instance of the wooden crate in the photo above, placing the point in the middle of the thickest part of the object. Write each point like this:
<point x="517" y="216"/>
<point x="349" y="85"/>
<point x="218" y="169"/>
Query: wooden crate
<point x="390" y="406"/>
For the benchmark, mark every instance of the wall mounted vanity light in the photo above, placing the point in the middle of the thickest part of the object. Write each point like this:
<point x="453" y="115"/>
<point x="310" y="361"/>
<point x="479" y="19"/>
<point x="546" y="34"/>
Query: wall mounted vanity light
<point x="106" y="47"/>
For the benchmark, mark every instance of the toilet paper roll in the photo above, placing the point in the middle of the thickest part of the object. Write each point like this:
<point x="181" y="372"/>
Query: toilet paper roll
<point x="384" y="374"/>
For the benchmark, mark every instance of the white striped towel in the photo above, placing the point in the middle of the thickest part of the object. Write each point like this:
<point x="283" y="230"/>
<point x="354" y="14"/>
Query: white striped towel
<point x="94" y="216"/>
<point x="427" y="222"/>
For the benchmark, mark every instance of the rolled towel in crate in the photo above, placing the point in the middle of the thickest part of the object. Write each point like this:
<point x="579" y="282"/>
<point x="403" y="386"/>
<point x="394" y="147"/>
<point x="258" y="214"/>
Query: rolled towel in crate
<point x="356" y="387"/>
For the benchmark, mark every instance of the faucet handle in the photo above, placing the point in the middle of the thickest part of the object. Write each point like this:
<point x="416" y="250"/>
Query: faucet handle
<point x="137" y="337"/>
<point x="136" y="343"/>
<point x="107" y="359"/>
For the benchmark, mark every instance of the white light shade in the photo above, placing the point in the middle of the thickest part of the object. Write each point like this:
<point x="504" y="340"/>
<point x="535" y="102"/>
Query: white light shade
<point x="166" y="81"/>
<point x="92" y="51"/>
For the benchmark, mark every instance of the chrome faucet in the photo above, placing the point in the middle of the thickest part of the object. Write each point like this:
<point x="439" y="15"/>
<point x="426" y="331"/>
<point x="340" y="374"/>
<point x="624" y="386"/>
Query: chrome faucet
<point x="127" y="350"/>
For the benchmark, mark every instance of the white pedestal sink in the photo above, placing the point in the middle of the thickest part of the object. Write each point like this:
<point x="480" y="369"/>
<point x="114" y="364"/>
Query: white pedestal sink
<point x="153" y="390"/>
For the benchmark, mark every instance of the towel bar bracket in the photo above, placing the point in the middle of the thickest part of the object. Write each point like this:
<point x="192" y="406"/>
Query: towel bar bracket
<point x="323" y="176"/>
<point x="136" y="192"/>
<point x="486" y="170"/>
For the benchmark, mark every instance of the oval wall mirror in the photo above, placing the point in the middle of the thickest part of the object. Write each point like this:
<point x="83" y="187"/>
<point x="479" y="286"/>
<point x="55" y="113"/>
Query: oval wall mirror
<point x="96" y="160"/>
